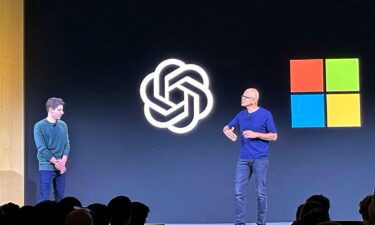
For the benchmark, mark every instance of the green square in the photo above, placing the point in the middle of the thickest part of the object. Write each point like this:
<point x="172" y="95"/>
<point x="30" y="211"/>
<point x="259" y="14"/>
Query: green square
<point x="342" y="75"/>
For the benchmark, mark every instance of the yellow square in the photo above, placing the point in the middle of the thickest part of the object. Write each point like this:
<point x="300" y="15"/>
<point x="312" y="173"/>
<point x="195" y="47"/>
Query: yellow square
<point x="343" y="110"/>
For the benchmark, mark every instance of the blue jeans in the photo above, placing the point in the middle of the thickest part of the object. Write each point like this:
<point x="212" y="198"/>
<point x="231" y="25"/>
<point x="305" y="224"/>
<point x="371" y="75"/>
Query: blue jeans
<point x="46" y="178"/>
<point x="245" y="168"/>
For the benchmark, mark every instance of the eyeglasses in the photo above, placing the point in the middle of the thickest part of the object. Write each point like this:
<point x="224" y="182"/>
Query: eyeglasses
<point x="245" y="97"/>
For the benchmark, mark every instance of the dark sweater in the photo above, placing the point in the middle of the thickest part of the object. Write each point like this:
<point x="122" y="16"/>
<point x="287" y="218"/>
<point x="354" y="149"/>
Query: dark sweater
<point x="51" y="139"/>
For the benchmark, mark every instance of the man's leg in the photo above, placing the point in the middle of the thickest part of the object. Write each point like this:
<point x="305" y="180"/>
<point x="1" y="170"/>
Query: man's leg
<point x="260" y="172"/>
<point x="243" y="173"/>
<point x="59" y="186"/>
<point x="45" y="180"/>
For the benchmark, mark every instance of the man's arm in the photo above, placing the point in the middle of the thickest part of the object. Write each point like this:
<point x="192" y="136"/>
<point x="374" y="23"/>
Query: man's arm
<point x="67" y="145"/>
<point x="263" y="136"/>
<point x="268" y="136"/>
<point x="61" y="163"/>
<point x="41" y="145"/>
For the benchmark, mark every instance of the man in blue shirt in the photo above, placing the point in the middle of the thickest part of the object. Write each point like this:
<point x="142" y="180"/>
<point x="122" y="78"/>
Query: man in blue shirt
<point x="257" y="129"/>
<point x="52" y="141"/>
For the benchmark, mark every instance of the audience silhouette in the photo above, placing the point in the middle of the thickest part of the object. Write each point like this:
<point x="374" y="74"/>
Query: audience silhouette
<point x="121" y="211"/>
<point x="69" y="211"/>
<point x="139" y="213"/>
<point x="315" y="211"/>
<point x="99" y="213"/>
<point x="79" y="217"/>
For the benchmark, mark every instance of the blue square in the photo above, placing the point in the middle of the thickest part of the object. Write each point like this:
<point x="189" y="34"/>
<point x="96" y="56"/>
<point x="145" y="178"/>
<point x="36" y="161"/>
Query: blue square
<point x="308" y="110"/>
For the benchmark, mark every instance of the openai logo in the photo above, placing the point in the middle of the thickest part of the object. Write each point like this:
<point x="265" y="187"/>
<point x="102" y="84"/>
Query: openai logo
<point x="176" y="96"/>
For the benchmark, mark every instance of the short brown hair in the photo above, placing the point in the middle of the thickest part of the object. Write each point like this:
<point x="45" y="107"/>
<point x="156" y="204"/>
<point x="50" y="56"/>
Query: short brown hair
<point x="54" y="103"/>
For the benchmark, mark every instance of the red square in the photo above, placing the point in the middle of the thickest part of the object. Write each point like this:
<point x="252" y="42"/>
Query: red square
<point x="306" y="75"/>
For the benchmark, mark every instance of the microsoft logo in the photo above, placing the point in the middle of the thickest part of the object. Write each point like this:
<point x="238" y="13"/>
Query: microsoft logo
<point x="325" y="93"/>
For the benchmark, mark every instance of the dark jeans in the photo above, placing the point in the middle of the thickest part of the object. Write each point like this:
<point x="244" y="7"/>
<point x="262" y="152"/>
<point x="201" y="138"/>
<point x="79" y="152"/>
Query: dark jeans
<point x="244" y="170"/>
<point x="46" y="178"/>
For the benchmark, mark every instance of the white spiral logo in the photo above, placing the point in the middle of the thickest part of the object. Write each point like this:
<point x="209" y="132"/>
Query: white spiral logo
<point x="176" y="80"/>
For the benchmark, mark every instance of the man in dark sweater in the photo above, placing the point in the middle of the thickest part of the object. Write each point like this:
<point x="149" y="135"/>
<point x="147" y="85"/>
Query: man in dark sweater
<point x="52" y="141"/>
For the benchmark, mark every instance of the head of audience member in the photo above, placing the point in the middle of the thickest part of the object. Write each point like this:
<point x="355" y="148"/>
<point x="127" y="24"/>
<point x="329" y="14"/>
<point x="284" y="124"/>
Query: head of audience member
<point x="11" y="211"/>
<point x="119" y="209"/>
<point x="139" y="213"/>
<point x="371" y="211"/>
<point x="3" y="219"/>
<point x="26" y="215"/>
<point x="68" y="204"/>
<point x="99" y="213"/>
<point x="313" y="213"/>
<point x="48" y="213"/>
<point x="78" y="217"/>
<point x="324" y="201"/>
<point x="364" y="206"/>
<point x="308" y="207"/>
<point x="329" y="223"/>
<point x="298" y="213"/>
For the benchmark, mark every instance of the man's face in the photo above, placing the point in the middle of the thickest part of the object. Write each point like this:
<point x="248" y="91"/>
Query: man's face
<point x="58" y="112"/>
<point x="246" y="100"/>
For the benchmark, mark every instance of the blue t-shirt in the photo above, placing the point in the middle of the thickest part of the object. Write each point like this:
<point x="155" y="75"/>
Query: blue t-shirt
<point x="259" y="121"/>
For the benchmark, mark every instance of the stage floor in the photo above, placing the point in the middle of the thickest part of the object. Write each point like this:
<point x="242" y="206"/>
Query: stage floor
<point x="278" y="223"/>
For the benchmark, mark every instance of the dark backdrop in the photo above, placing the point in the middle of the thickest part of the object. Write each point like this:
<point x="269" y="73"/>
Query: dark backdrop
<point x="94" y="55"/>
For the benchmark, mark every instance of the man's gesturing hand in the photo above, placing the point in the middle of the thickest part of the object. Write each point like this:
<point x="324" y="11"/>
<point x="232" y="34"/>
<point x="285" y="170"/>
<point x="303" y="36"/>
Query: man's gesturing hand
<point x="229" y="133"/>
